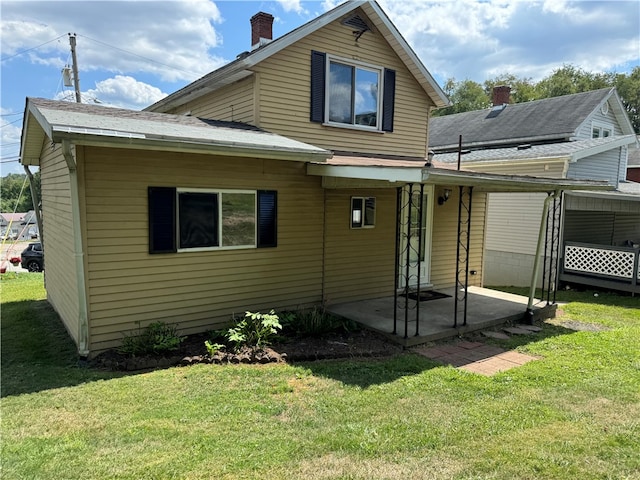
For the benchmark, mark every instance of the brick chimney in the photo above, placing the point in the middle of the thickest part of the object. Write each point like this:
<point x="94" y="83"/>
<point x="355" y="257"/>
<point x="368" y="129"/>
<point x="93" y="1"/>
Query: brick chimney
<point x="261" y="29"/>
<point x="501" y="95"/>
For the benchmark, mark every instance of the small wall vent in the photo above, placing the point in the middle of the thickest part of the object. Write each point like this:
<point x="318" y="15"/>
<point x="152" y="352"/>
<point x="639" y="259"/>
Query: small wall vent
<point x="357" y="24"/>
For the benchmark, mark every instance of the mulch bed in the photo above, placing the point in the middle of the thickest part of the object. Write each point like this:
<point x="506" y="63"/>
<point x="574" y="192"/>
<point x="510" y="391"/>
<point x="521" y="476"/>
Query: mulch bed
<point x="363" y="343"/>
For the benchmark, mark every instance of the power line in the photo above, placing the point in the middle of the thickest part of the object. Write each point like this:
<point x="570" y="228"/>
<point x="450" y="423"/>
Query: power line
<point x="9" y="123"/>
<point x="29" y="49"/>
<point x="10" y="114"/>
<point x="10" y="160"/>
<point x="139" y="56"/>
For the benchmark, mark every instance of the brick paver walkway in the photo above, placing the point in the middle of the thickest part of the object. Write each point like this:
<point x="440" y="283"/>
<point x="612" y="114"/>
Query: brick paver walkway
<point x="475" y="357"/>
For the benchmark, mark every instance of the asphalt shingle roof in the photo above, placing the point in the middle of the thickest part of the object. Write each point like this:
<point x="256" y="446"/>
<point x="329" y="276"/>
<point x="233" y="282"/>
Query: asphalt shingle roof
<point x="92" y="121"/>
<point x="549" y="150"/>
<point x="549" y="118"/>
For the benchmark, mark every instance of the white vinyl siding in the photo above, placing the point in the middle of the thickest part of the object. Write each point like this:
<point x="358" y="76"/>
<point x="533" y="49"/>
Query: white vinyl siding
<point x="598" y="119"/>
<point x="604" y="166"/>
<point x="513" y="221"/>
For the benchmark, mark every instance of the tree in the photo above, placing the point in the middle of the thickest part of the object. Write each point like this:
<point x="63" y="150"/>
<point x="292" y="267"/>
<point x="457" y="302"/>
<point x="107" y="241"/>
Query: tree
<point x="465" y="96"/>
<point x="569" y="79"/>
<point x="522" y="89"/>
<point x="629" y="90"/>
<point x="11" y="185"/>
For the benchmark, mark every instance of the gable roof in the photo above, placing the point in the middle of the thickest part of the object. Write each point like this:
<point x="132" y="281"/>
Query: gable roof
<point x="545" y="120"/>
<point x="103" y="126"/>
<point x="240" y="68"/>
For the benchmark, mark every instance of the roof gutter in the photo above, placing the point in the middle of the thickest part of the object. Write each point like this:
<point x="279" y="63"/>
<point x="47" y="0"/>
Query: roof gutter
<point x="78" y="252"/>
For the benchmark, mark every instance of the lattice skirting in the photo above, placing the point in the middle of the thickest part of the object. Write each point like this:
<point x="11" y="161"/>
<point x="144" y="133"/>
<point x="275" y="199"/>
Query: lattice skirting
<point x="600" y="261"/>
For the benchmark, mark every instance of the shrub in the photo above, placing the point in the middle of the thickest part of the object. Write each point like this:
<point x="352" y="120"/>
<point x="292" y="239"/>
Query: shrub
<point x="213" y="348"/>
<point x="254" y="330"/>
<point x="157" y="338"/>
<point x="316" y="321"/>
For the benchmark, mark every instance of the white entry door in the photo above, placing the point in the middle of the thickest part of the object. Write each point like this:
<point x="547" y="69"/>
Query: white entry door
<point x="418" y="270"/>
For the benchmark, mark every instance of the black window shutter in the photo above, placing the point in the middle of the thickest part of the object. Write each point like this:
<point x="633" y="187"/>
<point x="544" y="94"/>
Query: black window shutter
<point x="318" y="66"/>
<point x="162" y="220"/>
<point x="267" y="218"/>
<point x="388" y="99"/>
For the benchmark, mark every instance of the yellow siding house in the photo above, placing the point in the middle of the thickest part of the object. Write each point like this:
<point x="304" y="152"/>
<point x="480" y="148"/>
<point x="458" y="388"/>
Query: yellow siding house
<point x="297" y="175"/>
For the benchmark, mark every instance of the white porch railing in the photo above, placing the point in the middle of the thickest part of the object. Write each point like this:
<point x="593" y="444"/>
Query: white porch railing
<point x="602" y="265"/>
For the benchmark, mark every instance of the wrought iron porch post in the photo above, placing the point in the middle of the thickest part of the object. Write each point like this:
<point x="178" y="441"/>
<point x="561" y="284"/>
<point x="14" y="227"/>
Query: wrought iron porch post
<point x="420" y="244"/>
<point x="461" y="294"/>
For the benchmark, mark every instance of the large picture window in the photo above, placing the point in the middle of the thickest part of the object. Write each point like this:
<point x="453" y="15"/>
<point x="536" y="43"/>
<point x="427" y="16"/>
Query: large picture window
<point x="198" y="219"/>
<point x="354" y="94"/>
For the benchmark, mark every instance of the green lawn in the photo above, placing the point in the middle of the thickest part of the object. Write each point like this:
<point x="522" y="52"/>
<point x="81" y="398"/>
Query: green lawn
<point x="573" y="414"/>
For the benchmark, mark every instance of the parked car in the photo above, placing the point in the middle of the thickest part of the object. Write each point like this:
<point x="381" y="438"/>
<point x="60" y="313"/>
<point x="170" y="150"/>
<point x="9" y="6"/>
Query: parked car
<point x="32" y="257"/>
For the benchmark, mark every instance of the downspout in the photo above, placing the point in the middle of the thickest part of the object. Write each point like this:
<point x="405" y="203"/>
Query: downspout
<point x="537" y="260"/>
<point x="78" y="253"/>
<point x="36" y="203"/>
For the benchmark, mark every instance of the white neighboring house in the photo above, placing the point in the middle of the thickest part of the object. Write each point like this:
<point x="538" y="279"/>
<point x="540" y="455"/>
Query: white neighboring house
<point x="633" y="163"/>
<point x="581" y="136"/>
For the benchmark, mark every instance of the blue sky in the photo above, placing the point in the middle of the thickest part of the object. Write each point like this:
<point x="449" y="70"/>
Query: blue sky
<point x="131" y="54"/>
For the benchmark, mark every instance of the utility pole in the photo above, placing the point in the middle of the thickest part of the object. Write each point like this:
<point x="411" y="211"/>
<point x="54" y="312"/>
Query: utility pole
<point x="76" y="79"/>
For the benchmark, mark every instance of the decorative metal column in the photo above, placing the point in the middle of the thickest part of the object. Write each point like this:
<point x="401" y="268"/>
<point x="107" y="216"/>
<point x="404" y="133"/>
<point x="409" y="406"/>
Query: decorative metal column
<point x="551" y="252"/>
<point x="409" y="218"/>
<point x="465" y="197"/>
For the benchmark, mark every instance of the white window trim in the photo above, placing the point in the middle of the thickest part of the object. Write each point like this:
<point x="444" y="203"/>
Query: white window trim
<point x="217" y="191"/>
<point x="602" y="127"/>
<point x="364" y="206"/>
<point x="358" y="64"/>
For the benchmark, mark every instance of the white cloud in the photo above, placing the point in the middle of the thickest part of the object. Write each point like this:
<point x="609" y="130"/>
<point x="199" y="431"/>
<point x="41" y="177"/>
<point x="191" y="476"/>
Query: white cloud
<point x="172" y="40"/>
<point x="478" y="40"/>
<point x="292" y="6"/>
<point x="120" y="91"/>
<point x="10" y="129"/>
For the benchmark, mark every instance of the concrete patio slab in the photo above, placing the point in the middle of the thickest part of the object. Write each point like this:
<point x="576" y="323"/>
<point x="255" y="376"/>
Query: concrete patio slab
<point x="431" y="320"/>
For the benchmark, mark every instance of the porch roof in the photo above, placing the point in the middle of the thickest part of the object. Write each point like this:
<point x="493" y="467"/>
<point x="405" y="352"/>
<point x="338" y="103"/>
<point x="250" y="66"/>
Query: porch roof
<point x="399" y="171"/>
<point x="628" y="191"/>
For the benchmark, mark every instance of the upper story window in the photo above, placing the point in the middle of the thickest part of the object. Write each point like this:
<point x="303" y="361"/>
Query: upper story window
<point x="601" y="131"/>
<point x="351" y="94"/>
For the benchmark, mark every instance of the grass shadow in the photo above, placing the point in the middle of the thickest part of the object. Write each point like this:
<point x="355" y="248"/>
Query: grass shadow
<point x="365" y="372"/>
<point x="37" y="353"/>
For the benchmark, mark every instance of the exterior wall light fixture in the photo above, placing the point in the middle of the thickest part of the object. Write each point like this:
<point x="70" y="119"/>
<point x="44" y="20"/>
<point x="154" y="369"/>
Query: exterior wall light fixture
<point x="444" y="197"/>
